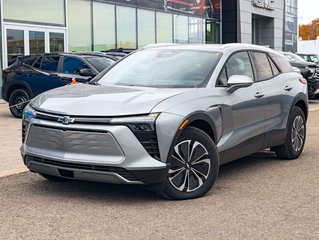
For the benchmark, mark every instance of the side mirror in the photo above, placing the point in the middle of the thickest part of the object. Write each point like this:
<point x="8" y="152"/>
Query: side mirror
<point x="238" y="81"/>
<point x="85" y="72"/>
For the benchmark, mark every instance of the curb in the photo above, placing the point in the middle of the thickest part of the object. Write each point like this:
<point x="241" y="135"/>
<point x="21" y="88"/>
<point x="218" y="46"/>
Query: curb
<point x="13" y="172"/>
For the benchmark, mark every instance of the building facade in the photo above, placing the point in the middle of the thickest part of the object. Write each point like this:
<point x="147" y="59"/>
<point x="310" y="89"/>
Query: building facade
<point x="34" y="26"/>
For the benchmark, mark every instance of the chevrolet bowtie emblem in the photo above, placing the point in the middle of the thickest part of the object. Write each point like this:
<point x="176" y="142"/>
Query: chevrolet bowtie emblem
<point x="66" y="120"/>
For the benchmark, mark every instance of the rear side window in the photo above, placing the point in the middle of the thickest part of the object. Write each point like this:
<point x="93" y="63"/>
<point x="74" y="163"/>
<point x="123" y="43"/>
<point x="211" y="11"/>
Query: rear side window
<point x="282" y="63"/>
<point x="29" y="60"/>
<point x="263" y="68"/>
<point x="273" y="67"/>
<point x="73" y="65"/>
<point x="50" y="63"/>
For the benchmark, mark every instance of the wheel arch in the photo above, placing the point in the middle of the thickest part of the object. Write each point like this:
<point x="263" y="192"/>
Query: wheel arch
<point x="301" y="101"/>
<point x="20" y="85"/>
<point x="198" y="120"/>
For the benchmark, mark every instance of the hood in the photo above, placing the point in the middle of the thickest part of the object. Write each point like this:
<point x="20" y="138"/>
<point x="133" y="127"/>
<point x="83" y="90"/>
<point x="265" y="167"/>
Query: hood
<point x="303" y="64"/>
<point x="102" y="100"/>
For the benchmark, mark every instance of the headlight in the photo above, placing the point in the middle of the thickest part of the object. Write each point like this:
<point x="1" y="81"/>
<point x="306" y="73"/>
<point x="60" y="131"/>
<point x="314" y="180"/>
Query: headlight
<point x="297" y="70"/>
<point x="312" y="70"/>
<point x="28" y="113"/>
<point x="144" y="123"/>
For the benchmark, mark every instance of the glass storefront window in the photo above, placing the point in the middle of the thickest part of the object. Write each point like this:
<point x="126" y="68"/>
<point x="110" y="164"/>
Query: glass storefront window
<point x="212" y="31"/>
<point x="164" y="28"/>
<point x="79" y="25"/>
<point x="126" y="27"/>
<point x="15" y="44"/>
<point x="44" y="11"/>
<point x="56" y="42"/>
<point x="36" y="42"/>
<point x="146" y="27"/>
<point x="103" y="26"/>
<point x="196" y="30"/>
<point x="180" y="29"/>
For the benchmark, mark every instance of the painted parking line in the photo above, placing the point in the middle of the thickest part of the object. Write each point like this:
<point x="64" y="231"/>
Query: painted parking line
<point x="13" y="172"/>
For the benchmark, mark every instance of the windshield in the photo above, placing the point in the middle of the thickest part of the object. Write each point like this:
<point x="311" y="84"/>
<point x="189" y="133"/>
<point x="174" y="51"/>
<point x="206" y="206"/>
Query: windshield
<point x="314" y="58"/>
<point x="163" y="68"/>
<point x="100" y="63"/>
<point x="294" y="58"/>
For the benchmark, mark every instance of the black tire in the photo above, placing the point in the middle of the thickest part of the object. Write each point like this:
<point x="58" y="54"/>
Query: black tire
<point x="200" y="170"/>
<point x="53" y="178"/>
<point x="294" y="144"/>
<point x="18" y="96"/>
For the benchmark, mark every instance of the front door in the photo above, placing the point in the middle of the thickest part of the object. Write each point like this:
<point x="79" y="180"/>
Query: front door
<point x="243" y="111"/>
<point x="23" y="40"/>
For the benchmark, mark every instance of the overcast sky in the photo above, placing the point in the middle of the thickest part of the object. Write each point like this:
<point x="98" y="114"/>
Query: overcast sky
<point x="308" y="10"/>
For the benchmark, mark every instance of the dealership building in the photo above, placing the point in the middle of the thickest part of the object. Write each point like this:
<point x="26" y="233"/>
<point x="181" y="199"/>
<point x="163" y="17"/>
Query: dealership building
<point x="37" y="26"/>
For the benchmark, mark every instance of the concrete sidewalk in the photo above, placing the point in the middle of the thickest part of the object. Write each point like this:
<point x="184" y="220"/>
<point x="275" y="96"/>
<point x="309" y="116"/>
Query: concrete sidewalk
<point x="10" y="140"/>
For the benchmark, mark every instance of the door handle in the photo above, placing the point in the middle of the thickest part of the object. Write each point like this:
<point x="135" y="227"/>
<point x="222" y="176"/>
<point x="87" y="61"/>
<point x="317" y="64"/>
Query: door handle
<point x="30" y="74"/>
<point x="259" y="95"/>
<point x="65" y="79"/>
<point x="288" y="88"/>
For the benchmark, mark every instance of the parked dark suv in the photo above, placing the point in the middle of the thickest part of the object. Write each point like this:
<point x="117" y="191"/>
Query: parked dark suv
<point x="309" y="70"/>
<point x="31" y="75"/>
<point x="310" y="57"/>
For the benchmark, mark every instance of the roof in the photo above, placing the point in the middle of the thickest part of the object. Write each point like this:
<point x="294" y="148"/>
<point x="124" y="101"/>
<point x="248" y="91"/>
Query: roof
<point x="211" y="47"/>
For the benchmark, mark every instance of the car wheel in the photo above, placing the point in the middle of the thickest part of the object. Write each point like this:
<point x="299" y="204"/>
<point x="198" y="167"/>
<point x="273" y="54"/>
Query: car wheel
<point x="17" y="101"/>
<point x="53" y="178"/>
<point x="296" y="136"/>
<point x="194" y="166"/>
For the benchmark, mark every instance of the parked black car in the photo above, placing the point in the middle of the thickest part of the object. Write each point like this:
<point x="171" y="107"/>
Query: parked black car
<point x="31" y="75"/>
<point x="310" y="57"/>
<point x="309" y="70"/>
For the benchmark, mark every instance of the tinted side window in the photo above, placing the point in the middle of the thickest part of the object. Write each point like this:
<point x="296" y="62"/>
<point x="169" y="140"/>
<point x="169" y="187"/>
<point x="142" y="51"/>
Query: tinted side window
<point x="50" y="63"/>
<point x="73" y="65"/>
<point x="37" y="64"/>
<point x="239" y="64"/>
<point x="29" y="60"/>
<point x="282" y="63"/>
<point x="263" y="67"/>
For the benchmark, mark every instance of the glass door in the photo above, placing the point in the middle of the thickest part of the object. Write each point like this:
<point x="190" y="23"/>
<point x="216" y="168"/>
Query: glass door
<point x="57" y="41"/>
<point x="24" y="40"/>
<point x="15" y="45"/>
<point x="36" y="42"/>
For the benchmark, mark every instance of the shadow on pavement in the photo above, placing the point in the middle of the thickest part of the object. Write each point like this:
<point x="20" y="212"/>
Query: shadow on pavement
<point x="130" y="194"/>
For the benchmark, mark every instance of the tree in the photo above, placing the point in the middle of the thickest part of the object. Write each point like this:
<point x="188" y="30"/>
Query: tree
<point x="309" y="31"/>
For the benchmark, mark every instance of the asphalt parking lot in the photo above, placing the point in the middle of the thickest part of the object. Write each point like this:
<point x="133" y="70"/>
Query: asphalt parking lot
<point x="258" y="197"/>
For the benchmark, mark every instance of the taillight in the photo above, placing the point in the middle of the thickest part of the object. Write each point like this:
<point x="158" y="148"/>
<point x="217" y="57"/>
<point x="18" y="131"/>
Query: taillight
<point x="7" y="70"/>
<point x="303" y="80"/>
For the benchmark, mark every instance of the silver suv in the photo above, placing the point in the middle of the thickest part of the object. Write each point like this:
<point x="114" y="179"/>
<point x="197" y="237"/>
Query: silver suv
<point x="168" y="116"/>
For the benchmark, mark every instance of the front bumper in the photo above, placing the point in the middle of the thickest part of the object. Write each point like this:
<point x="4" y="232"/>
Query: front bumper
<point x="102" y="153"/>
<point x="313" y="86"/>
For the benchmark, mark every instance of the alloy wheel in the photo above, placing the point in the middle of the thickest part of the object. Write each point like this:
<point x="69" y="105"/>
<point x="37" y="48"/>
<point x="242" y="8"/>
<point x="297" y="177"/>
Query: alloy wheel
<point x="298" y="133"/>
<point x="190" y="166"/>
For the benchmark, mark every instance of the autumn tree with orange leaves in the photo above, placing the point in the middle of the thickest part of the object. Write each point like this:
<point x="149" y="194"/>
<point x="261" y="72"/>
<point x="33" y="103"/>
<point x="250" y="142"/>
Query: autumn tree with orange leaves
<point x="309" y="31"/>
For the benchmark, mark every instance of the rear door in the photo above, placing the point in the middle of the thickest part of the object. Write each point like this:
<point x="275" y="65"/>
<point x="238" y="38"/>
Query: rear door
<point x="43" y="77"/>
<point x="279" y="90"/>
<point x="243" y="111"/>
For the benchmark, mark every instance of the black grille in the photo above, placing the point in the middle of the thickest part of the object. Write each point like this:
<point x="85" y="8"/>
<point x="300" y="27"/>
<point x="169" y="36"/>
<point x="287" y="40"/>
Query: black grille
<point x="149" y="142"/>
<point x="121" y="171"/>
<point x="24" y="130"/>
